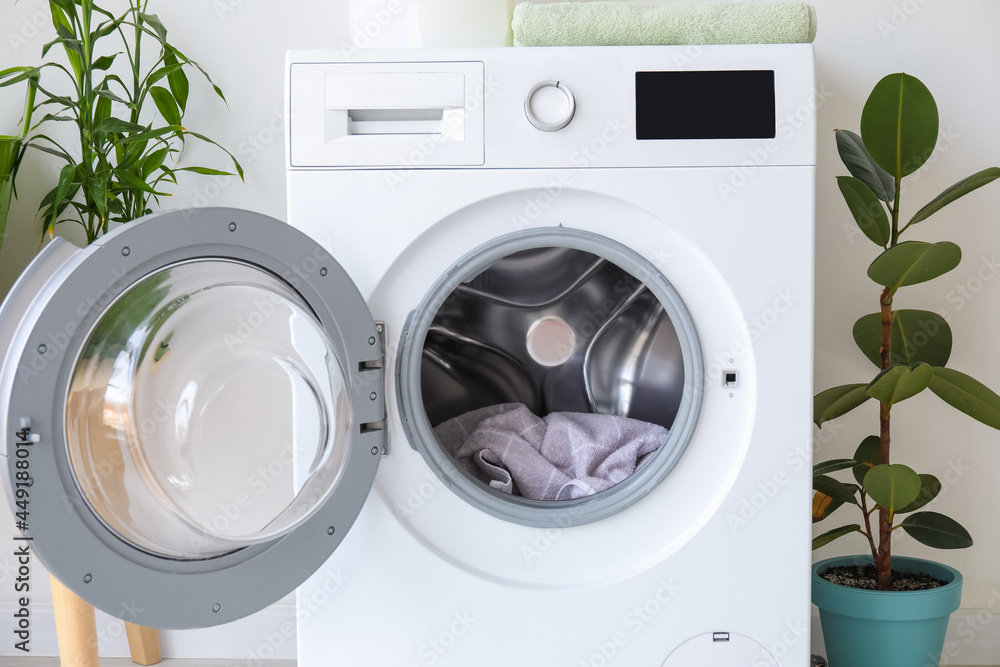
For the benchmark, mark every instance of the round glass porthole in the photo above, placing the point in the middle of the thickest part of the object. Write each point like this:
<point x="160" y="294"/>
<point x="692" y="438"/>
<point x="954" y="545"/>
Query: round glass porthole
<point x="551" y="377"/>
<point x="207" y="411"/>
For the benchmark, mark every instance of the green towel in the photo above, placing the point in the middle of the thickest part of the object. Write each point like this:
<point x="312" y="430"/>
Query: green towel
<point x="631" y="24"/>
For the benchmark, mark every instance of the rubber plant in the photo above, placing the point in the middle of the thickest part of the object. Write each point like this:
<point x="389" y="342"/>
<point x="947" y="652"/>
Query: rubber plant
<point x="910" y="348"/>
<point x="129" y="93"/>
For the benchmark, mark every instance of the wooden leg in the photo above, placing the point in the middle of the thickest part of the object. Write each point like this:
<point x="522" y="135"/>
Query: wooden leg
<point x="143" y="644"/>
<point x="76" y="628"/>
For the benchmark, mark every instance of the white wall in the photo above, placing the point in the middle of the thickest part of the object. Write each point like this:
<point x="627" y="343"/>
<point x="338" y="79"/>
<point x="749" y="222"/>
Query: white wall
<point x="951" y="46"/>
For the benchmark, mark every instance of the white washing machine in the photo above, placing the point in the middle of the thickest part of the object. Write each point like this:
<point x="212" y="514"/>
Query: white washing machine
<point x="526" y="381"/>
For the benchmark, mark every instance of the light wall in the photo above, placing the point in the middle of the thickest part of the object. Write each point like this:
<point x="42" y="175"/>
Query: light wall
<point x="951" y="46"/>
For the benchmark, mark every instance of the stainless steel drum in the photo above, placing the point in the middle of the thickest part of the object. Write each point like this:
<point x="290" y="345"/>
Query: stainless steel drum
<point x="559" y="330"/>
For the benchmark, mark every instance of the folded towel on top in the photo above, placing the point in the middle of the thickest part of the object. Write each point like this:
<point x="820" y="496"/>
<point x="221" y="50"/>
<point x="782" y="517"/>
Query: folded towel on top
<point x="628" y="23"/>
<point x="565" y="455"/>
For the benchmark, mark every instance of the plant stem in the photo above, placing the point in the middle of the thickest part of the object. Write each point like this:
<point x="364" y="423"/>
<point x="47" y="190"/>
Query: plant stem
<point x="883" y="558"/>
<point x="868" y="526"/>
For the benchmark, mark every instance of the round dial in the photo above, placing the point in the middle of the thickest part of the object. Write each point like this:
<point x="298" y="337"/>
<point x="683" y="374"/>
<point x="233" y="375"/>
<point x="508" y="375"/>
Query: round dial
<point x="550" y="106"/>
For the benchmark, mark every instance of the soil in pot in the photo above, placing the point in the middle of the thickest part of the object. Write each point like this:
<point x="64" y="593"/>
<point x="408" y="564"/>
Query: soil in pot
<point x="864" y="577"/>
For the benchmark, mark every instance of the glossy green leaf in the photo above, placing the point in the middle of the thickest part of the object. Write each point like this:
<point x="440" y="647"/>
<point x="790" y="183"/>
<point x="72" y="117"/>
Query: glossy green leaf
<point x="826" y="538"/>
<point x="930" y="487"/>
<point x="837" y="401"/>
<point x="867" y="210"/>
<point x="833" y="465"/>
<point x="868" y="455"/>
<point x="899" y="124"/>
<point x="936" y="531"/>
<point x="834" y="488"/>
<point x="164" y="101"/>
<point x="863" y="167"/>
<point x="956" y="191"/>
<point x="967" y="395"/>
<point x="898" y="383"/>
<point x="892" y="486"/>
<point x="918" y="336"/>
<point x="913" y="262"/>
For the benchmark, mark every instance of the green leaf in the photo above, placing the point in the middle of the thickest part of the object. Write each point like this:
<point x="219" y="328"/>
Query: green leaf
<point x="837" y="401"/>
<point x="892" y="486"/>
<point x="837" y="490"/>
<point x="176" y="78"/>
<point x="152" y="134"/>
<point x="134" y="181"/>
<point x="930" y="487"/>
<point x="913" y="262"/>
<point x="165" y="103"/>
<point x="826" y="538"/>
<point x="960" y="189"/>
<point x="111" y="96"/>
<point x="936" y="531"/>
<point x="918" y="336"/>
<point x="66" y="177"/>
<point x="859" y="162"/>
<point x="104" y="62"/>
<point x="205" y="171"/>
<point x="833" y="465"/>
<point x="967" y="395"/>
<point x="866" y="209"/>
<point x="152" y="162"/>
<point x="98" y="192"/>
<point x="899" y="124"/>
<point x="118" y="126"/>
<point x="898" y="383"/>
<point x="868" y="455"/>
<point x="236" y="164"/>
<point x="154" y="22"/>
<point x="103" y="30"/>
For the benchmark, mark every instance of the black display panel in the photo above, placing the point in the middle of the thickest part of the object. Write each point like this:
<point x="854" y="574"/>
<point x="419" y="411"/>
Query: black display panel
<point x="705" y="105"/>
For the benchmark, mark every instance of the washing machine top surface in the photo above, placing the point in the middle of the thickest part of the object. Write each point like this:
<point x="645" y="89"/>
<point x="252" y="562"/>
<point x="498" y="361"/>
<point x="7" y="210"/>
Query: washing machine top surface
<point x="567" y="107"/>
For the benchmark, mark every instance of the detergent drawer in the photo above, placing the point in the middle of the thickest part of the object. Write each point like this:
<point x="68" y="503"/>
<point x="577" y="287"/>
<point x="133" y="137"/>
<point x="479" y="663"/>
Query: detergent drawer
<point x="386" y="114"/>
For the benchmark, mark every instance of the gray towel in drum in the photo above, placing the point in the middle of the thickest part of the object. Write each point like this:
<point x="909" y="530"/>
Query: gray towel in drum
<point x="563" y="456"/>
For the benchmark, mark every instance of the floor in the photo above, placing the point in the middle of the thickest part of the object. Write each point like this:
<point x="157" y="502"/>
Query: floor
<point x="124" y="662"/>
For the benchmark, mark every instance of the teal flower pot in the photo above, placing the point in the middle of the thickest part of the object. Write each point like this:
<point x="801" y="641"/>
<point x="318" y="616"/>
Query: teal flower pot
<point x="885" y="628"/>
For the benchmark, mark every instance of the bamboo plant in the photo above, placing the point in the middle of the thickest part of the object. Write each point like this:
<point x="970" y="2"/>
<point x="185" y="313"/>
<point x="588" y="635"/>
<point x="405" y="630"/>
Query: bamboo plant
<point x="129" y="93"/>
<point x="910" y="348"/>
<point x="12" y="151"/>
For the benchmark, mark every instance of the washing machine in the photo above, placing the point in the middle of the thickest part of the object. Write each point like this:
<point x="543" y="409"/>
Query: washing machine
<point x="526" y="379"/>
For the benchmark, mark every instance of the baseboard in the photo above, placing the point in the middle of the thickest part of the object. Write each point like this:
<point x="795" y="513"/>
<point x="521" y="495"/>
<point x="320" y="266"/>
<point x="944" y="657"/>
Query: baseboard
<point x="973" y="638"/>
<point x="266" y="635"/>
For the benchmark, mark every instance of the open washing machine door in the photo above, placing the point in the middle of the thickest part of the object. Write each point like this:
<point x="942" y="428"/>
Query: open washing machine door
<point x="193" y="413"/>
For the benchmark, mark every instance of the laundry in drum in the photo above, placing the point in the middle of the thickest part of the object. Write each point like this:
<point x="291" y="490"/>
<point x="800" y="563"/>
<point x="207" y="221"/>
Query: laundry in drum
<point x="553" y="374"/>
